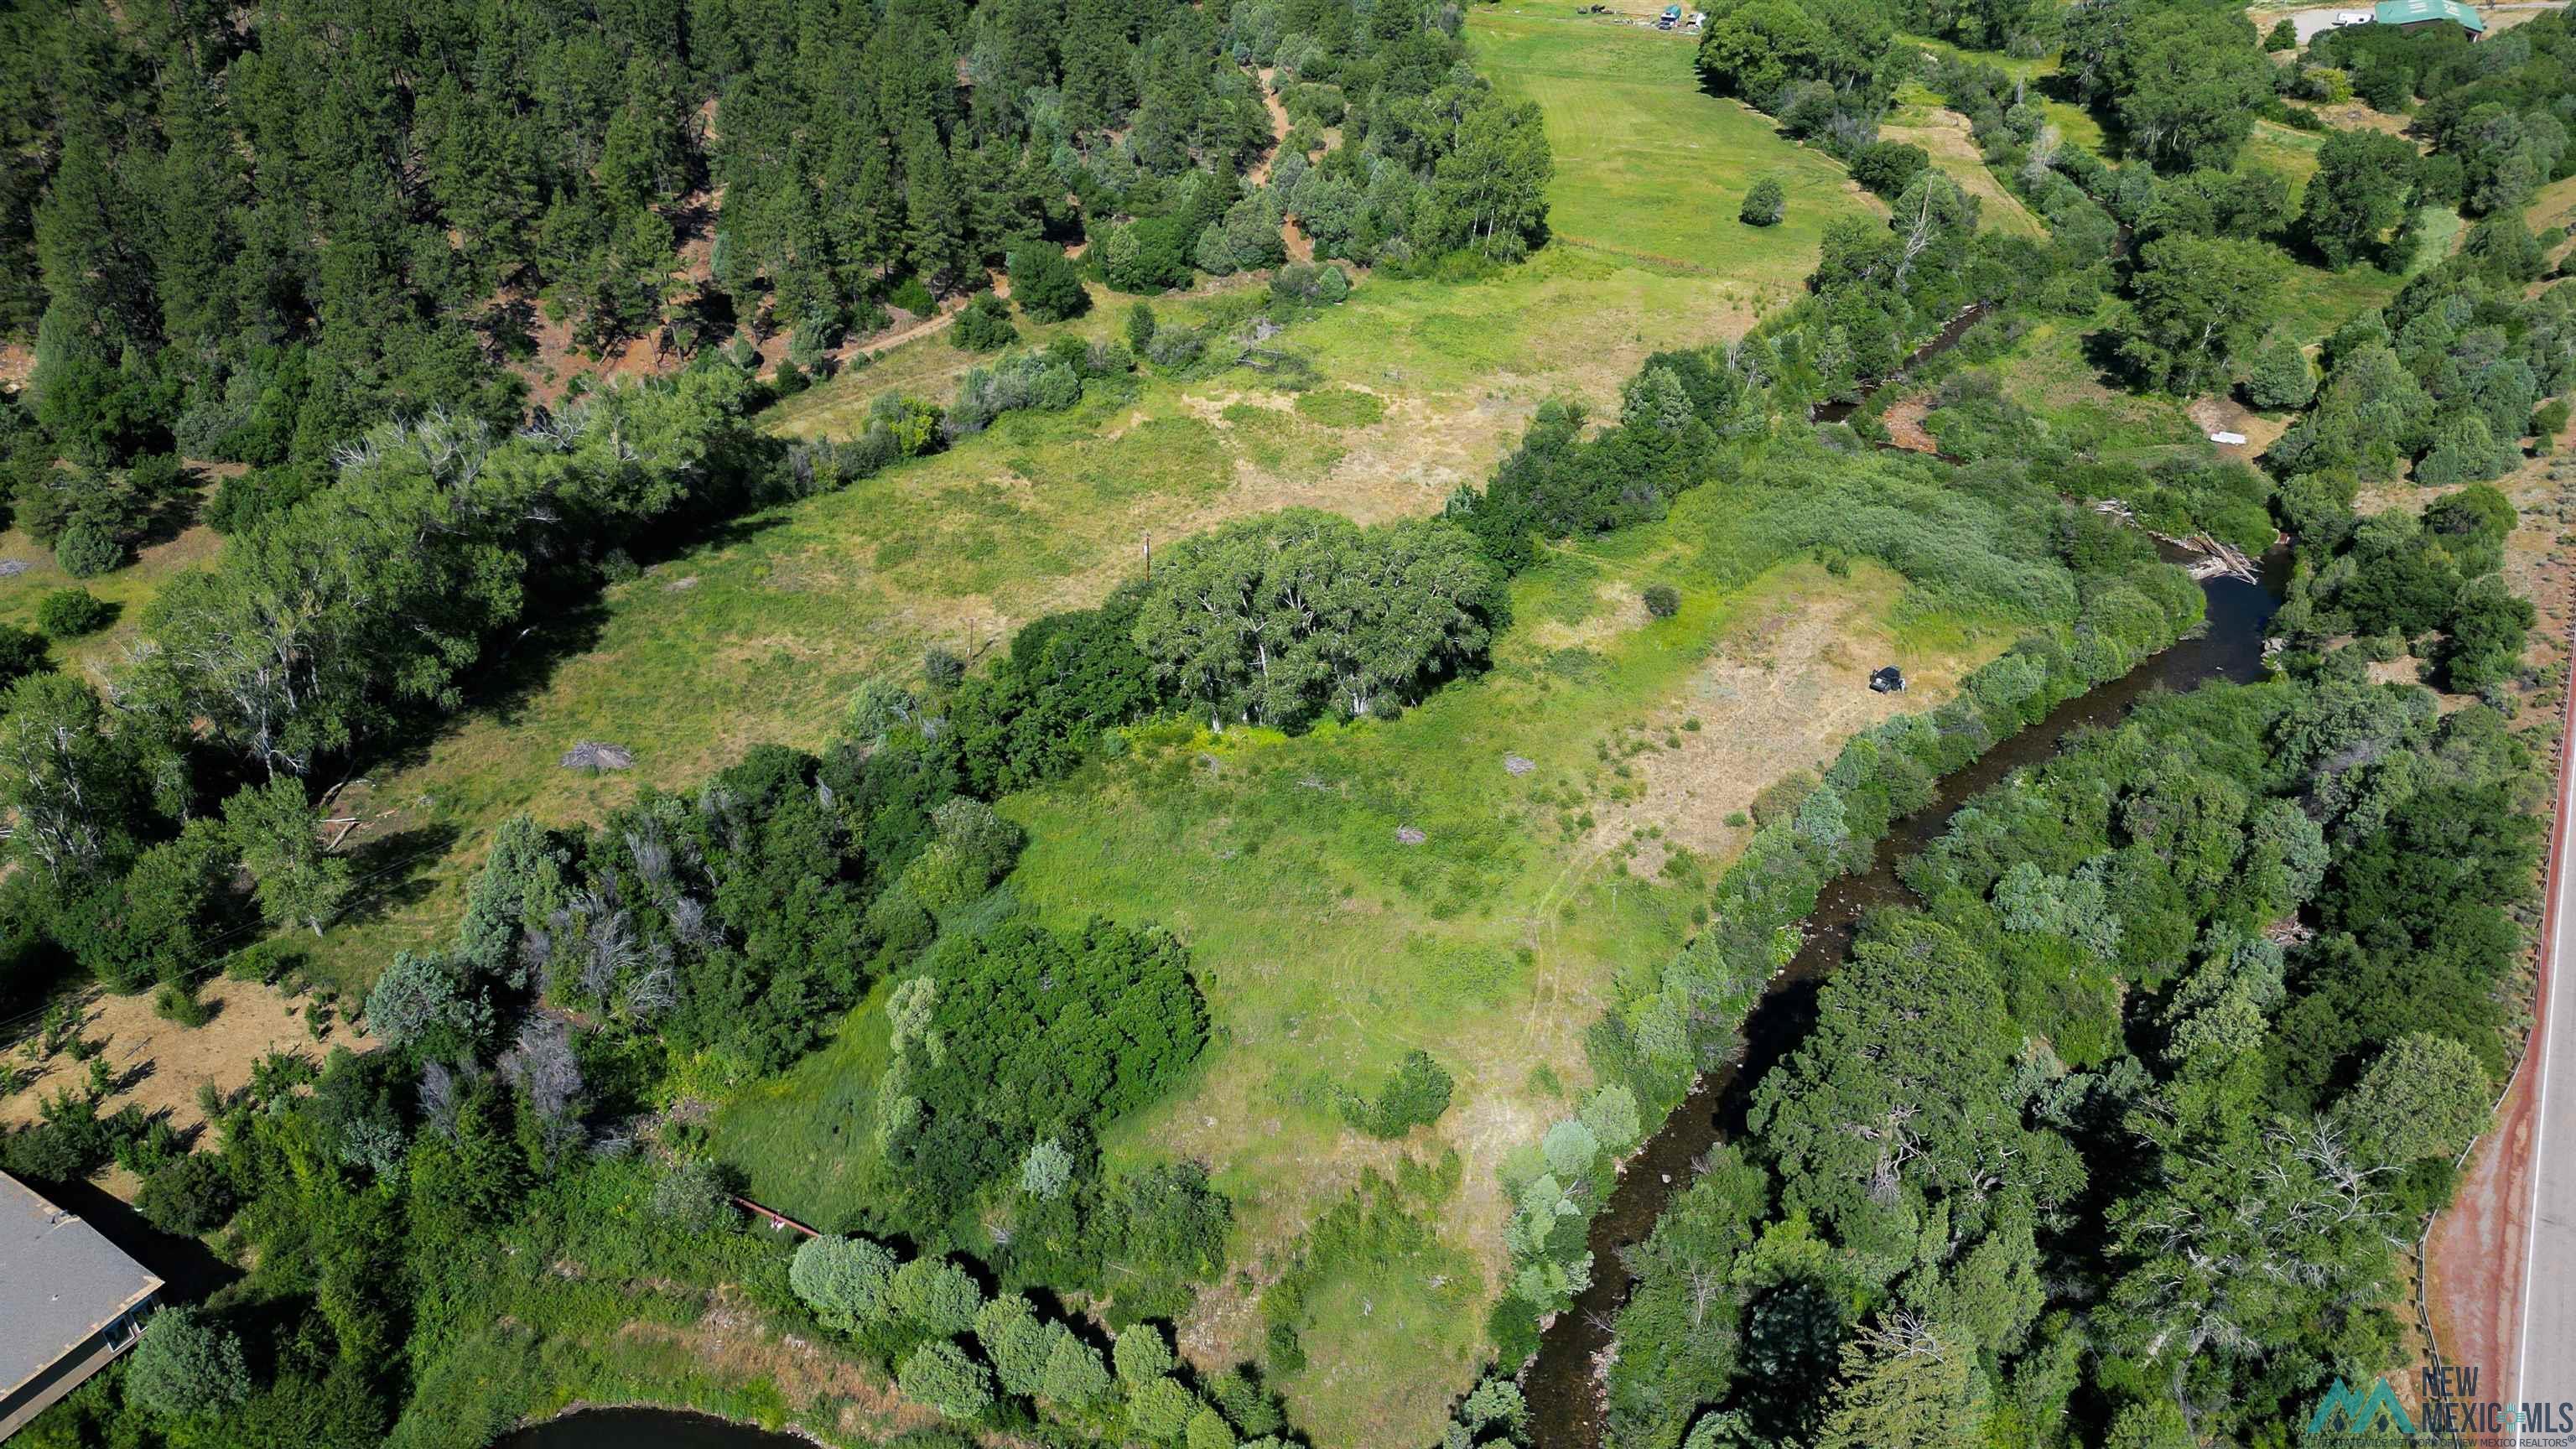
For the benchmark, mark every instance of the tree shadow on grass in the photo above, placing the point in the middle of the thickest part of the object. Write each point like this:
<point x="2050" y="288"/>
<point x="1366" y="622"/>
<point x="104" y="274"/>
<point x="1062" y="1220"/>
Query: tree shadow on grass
<point x="2110" y="369"/>
<point x="390" y="871"/>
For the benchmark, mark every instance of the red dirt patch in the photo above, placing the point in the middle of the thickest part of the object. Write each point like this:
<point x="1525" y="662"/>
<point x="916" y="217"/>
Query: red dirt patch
<point x="1904" y="423"/>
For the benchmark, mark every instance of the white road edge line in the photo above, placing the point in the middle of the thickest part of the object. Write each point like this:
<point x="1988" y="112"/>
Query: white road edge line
<point x="2540" y="1103"/>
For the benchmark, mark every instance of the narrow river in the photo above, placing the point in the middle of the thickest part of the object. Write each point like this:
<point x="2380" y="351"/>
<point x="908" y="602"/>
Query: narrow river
<point x="1563" y="1387"/>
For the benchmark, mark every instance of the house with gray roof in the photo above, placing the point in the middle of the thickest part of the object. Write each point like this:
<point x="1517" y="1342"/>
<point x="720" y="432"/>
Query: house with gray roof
<point x="69" y="1302"/>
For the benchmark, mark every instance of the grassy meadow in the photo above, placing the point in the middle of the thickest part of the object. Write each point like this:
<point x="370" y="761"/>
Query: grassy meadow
<point x="128" y="588"/>
<point x="759" y="633"/>
<point x="1649" y="168"/>
<point x="1572" y="804"/>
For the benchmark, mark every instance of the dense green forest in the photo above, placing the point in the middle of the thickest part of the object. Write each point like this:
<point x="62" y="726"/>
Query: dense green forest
<point x="250" y="233"/>
<point x="2109" y="1139"/>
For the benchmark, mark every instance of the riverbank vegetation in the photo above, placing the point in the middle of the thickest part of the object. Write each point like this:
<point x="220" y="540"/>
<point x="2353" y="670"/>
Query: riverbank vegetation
<point x="1995" y="1213"/>
<point x="1991" y="1208"/>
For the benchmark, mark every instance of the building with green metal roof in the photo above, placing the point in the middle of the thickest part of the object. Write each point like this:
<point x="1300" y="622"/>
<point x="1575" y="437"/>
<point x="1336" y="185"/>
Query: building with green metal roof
<point x="2429" y="12"/>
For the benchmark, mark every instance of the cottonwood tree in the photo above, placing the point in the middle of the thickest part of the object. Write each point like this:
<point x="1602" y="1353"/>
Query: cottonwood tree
<point x="2196" y="303"/>
<point x="2363" y="182"/>
<point x="279" y="839"/>
<point x="69" y="781"/>
<point x="1907" y="1384"/>
<point x="1275" y="620"/>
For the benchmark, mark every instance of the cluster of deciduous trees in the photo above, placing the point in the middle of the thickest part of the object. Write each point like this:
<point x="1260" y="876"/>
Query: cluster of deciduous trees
<point x="920" y="1315"/>
<point x="1281" y="619"/>
<point x="2448" y="378"/>
<point x="2497" y="113"/>
<point x="321" y="628"/>
<point x="2076" y="1135"/>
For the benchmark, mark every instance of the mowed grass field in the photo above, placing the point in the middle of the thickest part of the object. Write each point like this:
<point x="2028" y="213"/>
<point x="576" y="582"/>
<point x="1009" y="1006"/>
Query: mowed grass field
<point x="759" y="633"/>
<point x="1651" y="169"/>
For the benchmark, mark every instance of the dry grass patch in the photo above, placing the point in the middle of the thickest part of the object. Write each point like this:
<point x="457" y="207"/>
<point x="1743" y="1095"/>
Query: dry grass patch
<point x="160" y="1066"/>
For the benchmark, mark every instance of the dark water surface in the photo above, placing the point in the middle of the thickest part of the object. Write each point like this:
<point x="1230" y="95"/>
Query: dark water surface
<point x="1564" y="1397"/>
<point x="646" y="1429"/>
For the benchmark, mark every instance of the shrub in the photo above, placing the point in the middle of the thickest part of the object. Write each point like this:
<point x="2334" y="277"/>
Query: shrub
<point x="935" y="1295"/>
<point x="175" y="1002"/>
<point x="913" y="297"/>
<point x="184" y="1369"/>
<point x="87" y="550"/>
<point x="941" y="1375"/>
<point x="1888" y="167"/>
<point x="844" y="1280"/>
<point x="1034" y="381"/>
<point x="71" y="613"/>
<point x="1662" y="600"/>
<point x="2280" y="378"/>
<point x="2282" y="36"/>
<point x="1765" y="204"/>
<point x="423" y="1000"/>
<point x="691" y="1196"/>
<point x="1150" y="255"/>
<point x="22" y="652"/>
<point x="266" y="962"/>
<point x="1310" y="284"/>
<point x="1046" y="284"/>
<point x="189" y="1195"/>
<point x="984" y="326"/>
<point x="1415" y="1095"/>
<point x="2547" y="422"/>
<point x="1175" y="347"/>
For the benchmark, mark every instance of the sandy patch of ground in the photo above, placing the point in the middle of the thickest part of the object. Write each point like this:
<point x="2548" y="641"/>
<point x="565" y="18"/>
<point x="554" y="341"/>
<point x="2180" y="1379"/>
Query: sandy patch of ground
<point x="1903" y="420"/>
<point x="160" y="1065"/>
<point x="2225" y="414"/>
<point x="1779" y="695"/>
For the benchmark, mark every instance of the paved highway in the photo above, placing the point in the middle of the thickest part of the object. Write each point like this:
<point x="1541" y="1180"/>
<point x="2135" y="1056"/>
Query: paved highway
<point x="2545" y="1369"/>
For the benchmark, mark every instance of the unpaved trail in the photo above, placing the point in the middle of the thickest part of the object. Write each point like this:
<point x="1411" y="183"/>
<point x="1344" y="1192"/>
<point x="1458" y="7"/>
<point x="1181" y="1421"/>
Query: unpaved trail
<point x="1259" y="175"/>
<point x="1301" y="247"/>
